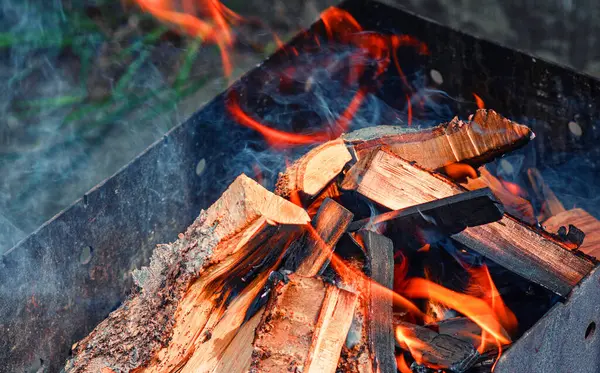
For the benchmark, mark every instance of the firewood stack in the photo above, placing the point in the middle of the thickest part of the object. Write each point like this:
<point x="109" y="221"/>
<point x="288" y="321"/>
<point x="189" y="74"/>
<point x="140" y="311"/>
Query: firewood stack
<point x="291" y="282"/>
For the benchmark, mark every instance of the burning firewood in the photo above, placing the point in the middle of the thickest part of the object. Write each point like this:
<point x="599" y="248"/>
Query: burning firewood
<point x="304" y="327"/>
<point x="311" y="173"/>
<point x="396" y="184"/>
<point x="308" y="255"/>
<point x="333" y="284"/>
<point x="486" y="136"/>
<point x="582" y="220"/>
<point x="186" y="291"/>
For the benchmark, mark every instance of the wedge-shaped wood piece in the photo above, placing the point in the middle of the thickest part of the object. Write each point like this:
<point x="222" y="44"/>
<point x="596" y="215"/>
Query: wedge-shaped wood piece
<point x="198" y="286"/>
<point x="311" y="173"/>
<point x="304" y="327"/>
<point x="477" y="141"/>
<point x="308" y="255"/>
<point x="396" y="184"/>
<point x="582" y="220"/>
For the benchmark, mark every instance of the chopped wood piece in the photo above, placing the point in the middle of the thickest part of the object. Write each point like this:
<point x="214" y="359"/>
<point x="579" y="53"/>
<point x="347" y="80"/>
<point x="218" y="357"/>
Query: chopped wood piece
<point x="514" y="205"/>
<point x="238" y="355"/>
<point x="486" y="136"/>
<point x="449" y="215"/>
<point x="397" y="184"/>
<point x="582" y="220"/>
<point x="304" y="327"/>
<point x="308" y="255"/>
<point x="435" y="350"/>
<point x="380" y="259"/>
<point x="311" y="173"/>
<point x="212" y="273"/>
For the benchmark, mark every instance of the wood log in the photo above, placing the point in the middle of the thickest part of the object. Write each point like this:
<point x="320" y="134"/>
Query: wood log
<point x="380" y="260"/>
<point x="434" y="350"/>
<point x="551" y="205"/>
<point x="475" y="142"/>
<point x="449" y="215"/>
<point x="304" y="327"/>
<point x="582" y="220"/>
<point x="308" y="255"/>
<point x="190" y="286"/>
<point x="311" y="173"/>
<point x="396" y="184"/>
<point x="514" y="205"/>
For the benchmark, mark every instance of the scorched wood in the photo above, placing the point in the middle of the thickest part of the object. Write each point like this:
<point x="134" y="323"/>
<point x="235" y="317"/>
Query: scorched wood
<point x="308" y="255"/>
<point x="582" y="220"/>
<point x="212" y="273"/>
<point x="304" y="327"/>
<point x="396" y="184"/>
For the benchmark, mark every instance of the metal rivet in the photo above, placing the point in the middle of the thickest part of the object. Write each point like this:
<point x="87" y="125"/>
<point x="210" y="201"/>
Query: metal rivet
<point x="436" y="76"/>
<point x="200" y="167"/>
<point x="575" y="128"/>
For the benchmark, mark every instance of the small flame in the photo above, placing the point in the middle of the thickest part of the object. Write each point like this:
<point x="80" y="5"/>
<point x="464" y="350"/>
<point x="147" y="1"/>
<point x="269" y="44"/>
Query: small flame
<point x="404" y="336"/>
<point x="460" y="171"/>
<point x="513" y="188"/>
<point x="479" y="101"/>
<point x="402" y="365"/>
<point x="476" y="309"/>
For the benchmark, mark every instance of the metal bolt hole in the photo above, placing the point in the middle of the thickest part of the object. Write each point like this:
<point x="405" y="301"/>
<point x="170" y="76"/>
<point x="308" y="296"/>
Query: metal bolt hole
<point x="589" y="332"/>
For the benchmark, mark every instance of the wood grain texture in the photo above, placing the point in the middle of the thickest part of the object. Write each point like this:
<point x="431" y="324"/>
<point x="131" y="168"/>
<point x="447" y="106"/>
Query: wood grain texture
<point x="304" y="327"/>
<point x="582" y="220"/>
<point x="396" y="184"/>
<point x="308" y="255"/>
<point x="315" y="170"/>
<point x="486" y="136"/>
<point x="380" y="258"/>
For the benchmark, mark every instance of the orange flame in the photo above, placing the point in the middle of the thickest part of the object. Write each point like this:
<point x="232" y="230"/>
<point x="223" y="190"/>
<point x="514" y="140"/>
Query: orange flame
<point x="460" y="171"/>
<point x="402" y="365"/>
<point x="513" y="188"/>
<point x="479" y="101"/>
<point x="283" y="139"/>
<point x="476" y="309"/>
<point x="414" y="345"/>
<point x="215" y="27"/>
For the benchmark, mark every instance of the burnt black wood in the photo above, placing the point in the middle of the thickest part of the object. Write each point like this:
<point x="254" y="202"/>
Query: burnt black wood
<point x="51" y="296"/>
<point x="448" y="215"/>
<point x="329" y="231"/>
<point x="380" y="267"/>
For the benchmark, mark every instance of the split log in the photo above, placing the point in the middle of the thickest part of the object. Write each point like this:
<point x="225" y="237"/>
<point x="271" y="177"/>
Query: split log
<point x="449" y="215"/>
<point x="475" y="142"/>
<point x="582" y="220"/>
<point x="212" y="273"/>
<point x="304" y="327"/>
<point x="396" y="184"/>
<point x="380" y="260"/>
<point x="308" y="255"/>
<point x="515" y="205"/>
<point x="439" y="351"/>
<point x="311" y="173"/>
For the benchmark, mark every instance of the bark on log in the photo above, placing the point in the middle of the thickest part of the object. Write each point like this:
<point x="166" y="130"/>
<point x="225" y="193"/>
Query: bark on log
<point x="186" y="288"/>
<point x="396" y="184"/>
<point x="304" y="327"/>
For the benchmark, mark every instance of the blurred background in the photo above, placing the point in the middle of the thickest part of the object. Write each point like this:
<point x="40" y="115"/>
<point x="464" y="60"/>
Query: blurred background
<point x="87" y="85"/>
